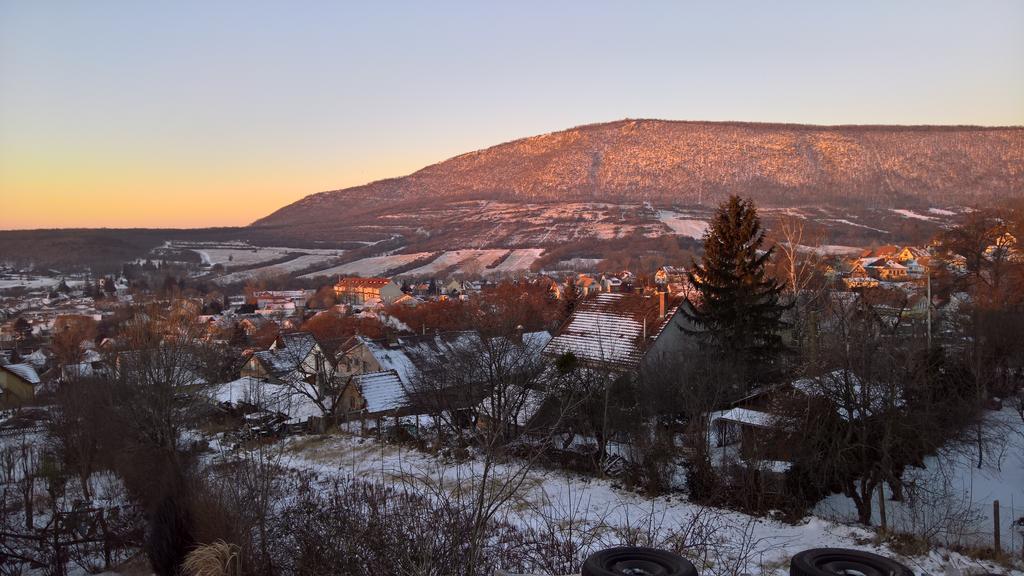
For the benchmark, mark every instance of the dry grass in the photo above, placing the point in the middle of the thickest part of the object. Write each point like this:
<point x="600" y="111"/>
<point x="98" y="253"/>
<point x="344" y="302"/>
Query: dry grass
<point x="216" y="559"/>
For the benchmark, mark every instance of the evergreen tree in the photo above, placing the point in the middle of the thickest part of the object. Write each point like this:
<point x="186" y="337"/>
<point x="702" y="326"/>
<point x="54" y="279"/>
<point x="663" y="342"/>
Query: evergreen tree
<point x="571" y="295"/>
<point x="737" y="312"/>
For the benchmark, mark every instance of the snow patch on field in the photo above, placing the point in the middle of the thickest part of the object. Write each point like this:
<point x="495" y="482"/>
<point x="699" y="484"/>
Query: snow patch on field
<point x="831" y="249"/>
<point x="293" y="265"/>
<point x="366" y="267"/>
<point x="681" y="225"/>
<point x="856" y="225"/>
<point x="241" y="258"/>
<point x="942" y="212"/>
<point x="912" y="214"/>
<point x="36" y="282"/>
<point x="519" y="260"/>
<point x="468" y="261"/>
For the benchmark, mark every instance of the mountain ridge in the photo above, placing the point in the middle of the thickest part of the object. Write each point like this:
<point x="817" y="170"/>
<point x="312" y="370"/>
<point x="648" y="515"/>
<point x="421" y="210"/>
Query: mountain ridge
<point x="692" y="162"/>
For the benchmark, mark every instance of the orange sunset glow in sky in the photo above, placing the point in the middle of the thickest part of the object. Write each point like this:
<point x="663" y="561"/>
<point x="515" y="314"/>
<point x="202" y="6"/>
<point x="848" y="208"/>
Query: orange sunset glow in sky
<point x="196" y="114"/>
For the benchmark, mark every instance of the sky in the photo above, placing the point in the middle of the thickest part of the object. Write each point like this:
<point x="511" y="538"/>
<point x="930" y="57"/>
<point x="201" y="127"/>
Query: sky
<point x="194" y="114"/>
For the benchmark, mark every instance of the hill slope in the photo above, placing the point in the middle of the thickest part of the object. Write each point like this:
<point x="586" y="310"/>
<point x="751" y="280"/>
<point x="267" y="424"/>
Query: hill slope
<point x="690" y="163"/>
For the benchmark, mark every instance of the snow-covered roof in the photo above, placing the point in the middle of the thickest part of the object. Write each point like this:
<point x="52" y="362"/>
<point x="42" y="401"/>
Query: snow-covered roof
<point x="267" y="396"/>
<point x="383" y="391"/>
<point x="24" y="371"/>
<point x="747" y="416"/>
<point x="520" y="402"/>
<point x="287" y="353"/>
<point x="850" y="396"/>
<point x="536" y="340"/>
<point x="609" y="329"/>
<point x="37" y="358"/>
<point x="410" y="356"/>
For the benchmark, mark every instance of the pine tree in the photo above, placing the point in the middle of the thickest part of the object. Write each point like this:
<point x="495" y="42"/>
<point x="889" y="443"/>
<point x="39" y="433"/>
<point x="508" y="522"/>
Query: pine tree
<point x="737" y="313"/>
<point x="572" y="296"/>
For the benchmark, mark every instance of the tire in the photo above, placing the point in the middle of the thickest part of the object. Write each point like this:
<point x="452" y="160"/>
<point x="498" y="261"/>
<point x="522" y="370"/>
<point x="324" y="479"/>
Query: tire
<point x="833" y="561"/>
<point x="639" y="562"/>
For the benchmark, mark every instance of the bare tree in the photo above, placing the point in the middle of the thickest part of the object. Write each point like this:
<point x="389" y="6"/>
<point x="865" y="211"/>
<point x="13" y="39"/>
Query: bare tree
<point x="799" y="248"/>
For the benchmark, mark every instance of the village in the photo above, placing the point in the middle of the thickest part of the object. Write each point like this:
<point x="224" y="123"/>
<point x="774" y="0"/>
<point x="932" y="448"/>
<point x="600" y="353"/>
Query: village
<point x="604" y="375"/>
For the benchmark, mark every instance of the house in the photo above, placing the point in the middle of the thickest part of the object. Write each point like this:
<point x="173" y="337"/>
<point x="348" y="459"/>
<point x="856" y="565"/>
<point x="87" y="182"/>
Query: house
<point x="587" y="285"/>
<point x="18" y="383"/>
<point x="620" y="332"/>
<point x="519" y="407"/>
<point x="250" y="394"/>
<point x="409" y="356"/>
<point x="293" y="357"/>
<point x="669" y="275"/>
<point x="412" y="359"/>
<point x="374" y="394"/>
<point x="758" y="424"/>
<point x="754" y="432"/>
<point x="82" y="370"/>
<point x="360" y="290"/>
<point x="280" y="299"/>
<point x="611" y="284"/>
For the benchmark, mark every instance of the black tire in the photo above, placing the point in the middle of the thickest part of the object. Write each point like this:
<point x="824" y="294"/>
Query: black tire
<point x="839" y="561"/>
<point x="639" y="562"/>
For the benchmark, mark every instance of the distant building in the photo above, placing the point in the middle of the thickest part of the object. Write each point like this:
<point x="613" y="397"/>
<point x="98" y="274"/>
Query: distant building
<point x="361" y="290"/>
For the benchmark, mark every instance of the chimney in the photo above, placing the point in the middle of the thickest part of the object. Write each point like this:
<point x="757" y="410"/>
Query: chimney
<point x="661" y="304"/>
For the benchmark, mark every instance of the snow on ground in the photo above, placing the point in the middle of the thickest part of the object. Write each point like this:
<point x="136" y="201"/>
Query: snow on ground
<point x="681" y="225"/>
<point x="951" y="484"/>
<point x="293" y="265"/>
<point x="753" y="545"/>
<point x="519" y="260"/>
<point x="854" y="224"/>
<point x="577" y="264"/>
<point x="373" y="266"/>
<point x="241" y="258"/>
<point x="831" y="249"/>
<point x="942" y="212"/>
<point x="912" y="214"/>
<point x="35" y="282"/>
<point x="468" y="261"/>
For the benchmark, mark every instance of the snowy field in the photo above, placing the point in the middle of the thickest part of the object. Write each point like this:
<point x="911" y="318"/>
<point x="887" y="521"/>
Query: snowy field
<point x="914" y="215"/>
<point x="954" y="496"/>
<point x="681" y="225"/>
<point x="854" y="224"/>
<point x="733" y="542"/>
<point x="373" y="266"/>
<point x="519" y="260"/>
<point x="832" y="249"/>
<point x="240" y="258"/>
<point x="35" y="282"/>
<point x="242" y="254"/>
<point x="294" y="265"/>
<point x="467" y="261"/>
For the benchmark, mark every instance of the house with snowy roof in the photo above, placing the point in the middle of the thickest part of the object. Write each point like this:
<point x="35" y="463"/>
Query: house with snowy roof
<point x="758" y="424"/>
<point x="385" y="374"/>
<point x="294" y="357"/>
<point x="621" y="332"/>
<point x="374" y="394"/>
<point x="411" y="357"/>
<point x="18" y="383"/>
